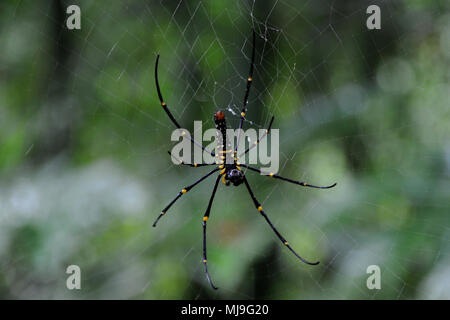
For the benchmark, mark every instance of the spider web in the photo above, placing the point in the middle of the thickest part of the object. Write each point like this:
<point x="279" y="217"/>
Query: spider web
<point x="364" y="108"/>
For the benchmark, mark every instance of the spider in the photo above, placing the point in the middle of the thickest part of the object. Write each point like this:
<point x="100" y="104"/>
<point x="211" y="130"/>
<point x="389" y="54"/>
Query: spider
<point x="228" y="166"/>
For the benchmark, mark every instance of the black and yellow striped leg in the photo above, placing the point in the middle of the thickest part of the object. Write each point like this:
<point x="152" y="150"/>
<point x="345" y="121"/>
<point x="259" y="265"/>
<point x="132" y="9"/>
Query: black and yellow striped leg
<point x="195" y="165"/>
<point x="183" y="191"/>
<point x="300" y="183"/>
<point x="205" y="219"/>
<point x="247" y="91"/>
<point x="171" y="117"/>
<point x="259" y="140"/>
<point x="283" y="240"/>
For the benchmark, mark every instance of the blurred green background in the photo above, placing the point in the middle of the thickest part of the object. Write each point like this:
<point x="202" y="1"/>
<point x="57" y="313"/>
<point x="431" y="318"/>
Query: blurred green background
<point x="84" y="169"/>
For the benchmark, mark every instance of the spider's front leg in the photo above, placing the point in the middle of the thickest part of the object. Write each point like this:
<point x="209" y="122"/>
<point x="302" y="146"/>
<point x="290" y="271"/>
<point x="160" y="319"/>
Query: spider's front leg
<point x="205" y="219"/>
<point x="300" y="183"/>
<point x="282" y="239"/>
<point x="183" y="191"/>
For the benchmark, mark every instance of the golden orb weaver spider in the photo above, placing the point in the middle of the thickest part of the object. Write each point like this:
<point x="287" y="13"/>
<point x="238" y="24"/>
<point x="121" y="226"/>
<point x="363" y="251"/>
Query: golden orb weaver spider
<point x="228" y="166"/>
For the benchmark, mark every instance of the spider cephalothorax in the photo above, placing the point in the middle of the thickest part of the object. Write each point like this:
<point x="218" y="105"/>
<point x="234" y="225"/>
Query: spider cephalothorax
<point x="235" y="176"/>
<point x="228" y="166"/>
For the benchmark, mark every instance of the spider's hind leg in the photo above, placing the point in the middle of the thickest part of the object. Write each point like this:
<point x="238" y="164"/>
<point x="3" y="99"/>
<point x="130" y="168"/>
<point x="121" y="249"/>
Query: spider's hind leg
<point x="196" y="165"/>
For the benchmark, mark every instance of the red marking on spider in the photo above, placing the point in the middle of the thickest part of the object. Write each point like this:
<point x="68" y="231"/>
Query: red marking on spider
<point x="219" y="115"/>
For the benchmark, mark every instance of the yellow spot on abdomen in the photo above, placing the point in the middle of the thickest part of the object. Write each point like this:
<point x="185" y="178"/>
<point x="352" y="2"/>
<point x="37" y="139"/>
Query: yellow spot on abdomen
<point x="183" y="191"/>
<point x="205" y="218"/>
<point x="259" y="208"/>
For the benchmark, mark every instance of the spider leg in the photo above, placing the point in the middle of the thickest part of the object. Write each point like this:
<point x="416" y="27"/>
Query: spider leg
<point x="259" y="140"/>
<point x="181" y="162"/>
<point x="283" y="240"/>
<point x="300" y="183"/>
<point x="172" y="118"/>
<point x="247" y="92"/>
<point x="205" y="218"/>
<point x="183" y="191"/>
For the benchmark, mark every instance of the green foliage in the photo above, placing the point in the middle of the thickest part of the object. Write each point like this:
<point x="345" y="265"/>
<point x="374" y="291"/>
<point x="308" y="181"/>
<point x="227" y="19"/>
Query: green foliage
<point x="84" y="168"/>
